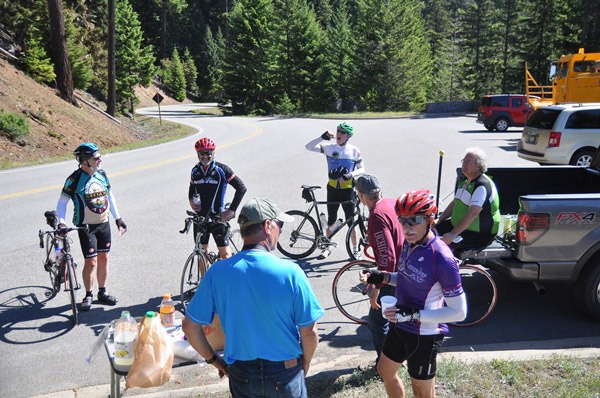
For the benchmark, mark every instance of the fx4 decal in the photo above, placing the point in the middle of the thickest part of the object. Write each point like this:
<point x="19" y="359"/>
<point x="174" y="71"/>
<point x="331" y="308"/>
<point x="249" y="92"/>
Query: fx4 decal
<point x="569" y="217"/>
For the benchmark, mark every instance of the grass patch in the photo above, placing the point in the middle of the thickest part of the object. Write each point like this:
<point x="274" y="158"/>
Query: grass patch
<point x="558" y="376"/>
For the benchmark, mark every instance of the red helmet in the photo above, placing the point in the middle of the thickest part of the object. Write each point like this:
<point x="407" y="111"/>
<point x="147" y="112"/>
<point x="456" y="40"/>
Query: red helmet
<point x="421" y="202"/>
<point x="205" y="144"/>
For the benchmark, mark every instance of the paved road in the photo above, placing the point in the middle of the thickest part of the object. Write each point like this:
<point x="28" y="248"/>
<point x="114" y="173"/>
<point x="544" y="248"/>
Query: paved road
<point x="44" y="353"/>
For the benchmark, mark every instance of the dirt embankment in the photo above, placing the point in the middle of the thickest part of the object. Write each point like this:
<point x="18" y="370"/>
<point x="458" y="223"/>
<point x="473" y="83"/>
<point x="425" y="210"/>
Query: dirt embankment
<point x="57" y="127"/>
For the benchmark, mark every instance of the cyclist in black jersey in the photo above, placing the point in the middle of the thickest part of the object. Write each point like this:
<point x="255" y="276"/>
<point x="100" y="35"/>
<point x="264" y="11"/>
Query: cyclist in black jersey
<point x="208" y="186"/>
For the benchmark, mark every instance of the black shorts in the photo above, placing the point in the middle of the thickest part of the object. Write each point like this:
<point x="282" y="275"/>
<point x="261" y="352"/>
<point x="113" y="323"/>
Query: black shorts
<point x="419" y="352"/>
<point x="219" y="231"/>
<point x="95" y="240"/>
<point x="339" y="195"/>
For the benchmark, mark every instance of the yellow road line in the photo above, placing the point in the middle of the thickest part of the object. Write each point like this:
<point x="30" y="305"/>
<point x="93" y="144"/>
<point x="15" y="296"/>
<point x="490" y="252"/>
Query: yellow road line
<point x="257" y="131"/>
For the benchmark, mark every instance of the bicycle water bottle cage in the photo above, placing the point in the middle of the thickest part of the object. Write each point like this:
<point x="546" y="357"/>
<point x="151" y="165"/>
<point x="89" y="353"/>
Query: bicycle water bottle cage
<point x="51" y="218"/>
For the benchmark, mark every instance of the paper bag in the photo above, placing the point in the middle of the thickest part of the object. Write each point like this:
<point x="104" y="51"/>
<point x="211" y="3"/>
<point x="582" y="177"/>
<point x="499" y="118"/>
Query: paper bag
<point x="153" y="357"/>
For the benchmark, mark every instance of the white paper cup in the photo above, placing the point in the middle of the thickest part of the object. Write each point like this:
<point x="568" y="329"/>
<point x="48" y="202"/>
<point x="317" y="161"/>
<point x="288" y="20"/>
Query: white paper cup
<point x="387" y="302"/>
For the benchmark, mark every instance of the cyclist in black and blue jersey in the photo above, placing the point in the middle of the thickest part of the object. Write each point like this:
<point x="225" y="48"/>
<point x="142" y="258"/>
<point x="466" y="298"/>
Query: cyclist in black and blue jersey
<point x="208" y="187"/>
<point x="90" y="190"/>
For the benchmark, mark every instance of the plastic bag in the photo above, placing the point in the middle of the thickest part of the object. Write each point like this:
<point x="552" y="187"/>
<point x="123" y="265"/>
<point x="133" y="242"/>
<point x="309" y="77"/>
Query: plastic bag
<point x="153" y="358"/>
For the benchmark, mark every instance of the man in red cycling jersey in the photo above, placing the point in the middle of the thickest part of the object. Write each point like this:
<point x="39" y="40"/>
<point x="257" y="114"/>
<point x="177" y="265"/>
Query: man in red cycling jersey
<point x="385" y="239"/>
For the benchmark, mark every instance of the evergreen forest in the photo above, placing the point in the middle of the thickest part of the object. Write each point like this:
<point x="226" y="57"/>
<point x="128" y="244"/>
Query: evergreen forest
<point x="292" y="56"/>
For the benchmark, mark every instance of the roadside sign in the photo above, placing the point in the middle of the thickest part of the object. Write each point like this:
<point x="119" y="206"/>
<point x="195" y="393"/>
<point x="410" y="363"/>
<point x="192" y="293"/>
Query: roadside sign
<point x="158" y="98"/>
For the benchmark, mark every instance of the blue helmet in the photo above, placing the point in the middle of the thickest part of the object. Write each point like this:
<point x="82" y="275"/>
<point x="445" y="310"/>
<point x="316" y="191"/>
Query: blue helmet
<point x="85" y="151"/>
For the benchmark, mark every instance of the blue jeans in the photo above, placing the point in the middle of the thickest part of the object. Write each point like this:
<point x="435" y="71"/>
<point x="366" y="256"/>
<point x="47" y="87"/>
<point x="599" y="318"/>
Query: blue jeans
<point x="267" y="379"/>
<point x="378" y="325"/>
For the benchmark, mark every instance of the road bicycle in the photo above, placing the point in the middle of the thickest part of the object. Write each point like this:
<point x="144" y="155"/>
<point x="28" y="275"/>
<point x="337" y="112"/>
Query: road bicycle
<point x="300" y="238"/>
<point x="351" y="296"/>
<point x="59" y="262"/>
<point x="200" y="260"/>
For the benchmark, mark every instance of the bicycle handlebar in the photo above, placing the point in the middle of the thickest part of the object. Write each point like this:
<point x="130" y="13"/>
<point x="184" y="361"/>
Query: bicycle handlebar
<point x="60" y="231"/>
<point x="197" y="219"/>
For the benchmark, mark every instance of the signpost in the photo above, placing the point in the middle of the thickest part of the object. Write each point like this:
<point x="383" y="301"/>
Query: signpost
<point x="158" y="99"/>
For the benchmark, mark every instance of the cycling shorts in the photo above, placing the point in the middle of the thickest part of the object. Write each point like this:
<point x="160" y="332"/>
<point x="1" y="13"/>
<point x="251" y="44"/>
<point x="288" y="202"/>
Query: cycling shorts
<point x="219" y="231"/>
<point x="419" y="351"/>
<point x="95" y="240"/>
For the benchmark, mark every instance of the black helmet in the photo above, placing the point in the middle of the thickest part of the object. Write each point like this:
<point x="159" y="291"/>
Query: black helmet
<point x="85" y="151"/>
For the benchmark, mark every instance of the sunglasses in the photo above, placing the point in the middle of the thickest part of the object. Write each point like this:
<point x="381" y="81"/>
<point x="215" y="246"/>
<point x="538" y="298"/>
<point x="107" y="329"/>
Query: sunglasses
<point x="96" y="158"/>
<point x="278" y="222"/>
<point x="412" y="221"/>
<point x="342" y="131"/>
<point x="205" y="153"/>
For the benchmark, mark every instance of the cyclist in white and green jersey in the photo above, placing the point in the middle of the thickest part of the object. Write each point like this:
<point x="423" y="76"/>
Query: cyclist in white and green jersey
<point x="474" y="214"/>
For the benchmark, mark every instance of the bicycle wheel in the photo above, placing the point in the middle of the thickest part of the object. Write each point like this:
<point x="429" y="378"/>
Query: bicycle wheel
<point x="235" y="241"/>
<point x="360" y="226"/>
<point x="193" y="271"/>
<point x="350" y="294"/>
<point x="298" y="239"/>
<point x="481" y="293"/>
<point x="70" y="270"/>
<point x="51" y="267"/>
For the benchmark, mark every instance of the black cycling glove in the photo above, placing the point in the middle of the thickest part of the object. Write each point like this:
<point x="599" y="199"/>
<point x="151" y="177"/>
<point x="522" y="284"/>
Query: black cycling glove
<point x="120" y="223"/>
<point x="326" y="136"/>
<point x="375" y="277"/>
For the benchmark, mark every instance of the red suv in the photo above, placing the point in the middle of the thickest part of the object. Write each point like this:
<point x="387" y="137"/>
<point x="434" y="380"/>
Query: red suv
<point x="499" y="112"/>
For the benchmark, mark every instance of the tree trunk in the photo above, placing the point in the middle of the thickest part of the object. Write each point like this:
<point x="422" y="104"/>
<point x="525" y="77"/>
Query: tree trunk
<point x="112" y="87"/>
<point x="60" y="54"/>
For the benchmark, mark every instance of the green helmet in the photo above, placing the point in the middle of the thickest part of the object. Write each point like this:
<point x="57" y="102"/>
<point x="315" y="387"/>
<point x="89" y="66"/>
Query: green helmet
<point x="346" y="127"/>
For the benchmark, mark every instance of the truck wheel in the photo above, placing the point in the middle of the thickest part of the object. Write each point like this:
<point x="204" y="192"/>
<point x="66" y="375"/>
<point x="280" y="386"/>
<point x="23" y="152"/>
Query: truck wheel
<point x="583" y="157"/>
<point x="501" y="124"/>
<point x="588" y="287"/>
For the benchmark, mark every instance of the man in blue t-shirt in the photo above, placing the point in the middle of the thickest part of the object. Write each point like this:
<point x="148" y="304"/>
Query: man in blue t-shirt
<point x="267" y="309"/>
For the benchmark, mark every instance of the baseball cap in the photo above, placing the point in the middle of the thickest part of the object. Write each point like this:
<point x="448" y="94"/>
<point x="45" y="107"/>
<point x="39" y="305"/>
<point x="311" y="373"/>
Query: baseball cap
<point x="258" y="210"/>
<point x="367" y="183"/>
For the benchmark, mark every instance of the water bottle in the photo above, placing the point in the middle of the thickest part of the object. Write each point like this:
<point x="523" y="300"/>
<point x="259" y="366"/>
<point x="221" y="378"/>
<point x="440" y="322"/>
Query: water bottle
<point x="338" y="223"/>
<point x="197" y="201"/>
<point x="59" y="253"/>
<point x="323" y="218"/>
<point x="126" y="333"/>
<point x="167" y="310"/>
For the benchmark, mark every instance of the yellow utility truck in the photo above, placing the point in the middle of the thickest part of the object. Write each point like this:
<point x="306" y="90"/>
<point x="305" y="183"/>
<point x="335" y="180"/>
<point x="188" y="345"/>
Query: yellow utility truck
<point x="574" y="78"/>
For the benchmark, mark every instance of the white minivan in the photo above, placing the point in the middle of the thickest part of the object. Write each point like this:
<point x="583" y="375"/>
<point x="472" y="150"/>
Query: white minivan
<point x="561" y="134"/>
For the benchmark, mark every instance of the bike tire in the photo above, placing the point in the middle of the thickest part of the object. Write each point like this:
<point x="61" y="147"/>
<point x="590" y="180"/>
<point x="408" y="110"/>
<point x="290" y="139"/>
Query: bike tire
<point x="235" y="241"/>
<point x="298" y="239"/>
<point x="69" y="270"/>
<point x="193" y="271"/>
<point x="361" y="234"/>
<point x="481" y="292"/>
<point x="51" y="267"/>
<point x="350" y="294"/>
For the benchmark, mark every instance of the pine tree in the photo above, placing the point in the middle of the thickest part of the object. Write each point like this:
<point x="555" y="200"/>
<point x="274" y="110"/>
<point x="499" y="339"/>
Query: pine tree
<point x="300" y="54"/>
<point x="393" y="57"/>
<point x="340" y="50"/>
<point x="251" y="66"/>
<point x="212" y="55"/>
<point x="36" y="60"/>
<point x="176" y="82"/>
<point x="134" y="60"/>
<point x="191" y="72"/>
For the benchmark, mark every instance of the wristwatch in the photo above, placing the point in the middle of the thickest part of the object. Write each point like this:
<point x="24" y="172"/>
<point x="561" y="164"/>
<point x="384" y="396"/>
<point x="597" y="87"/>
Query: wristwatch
<point x="212" y="360"/>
